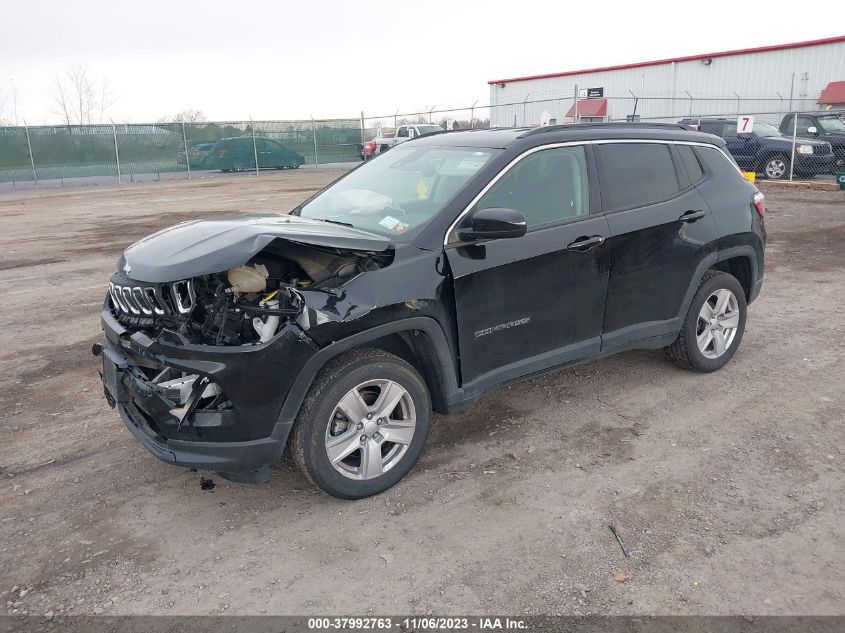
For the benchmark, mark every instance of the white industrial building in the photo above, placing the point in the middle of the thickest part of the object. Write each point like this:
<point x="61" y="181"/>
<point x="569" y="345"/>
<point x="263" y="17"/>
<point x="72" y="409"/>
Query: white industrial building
<point x="767" y="81"/>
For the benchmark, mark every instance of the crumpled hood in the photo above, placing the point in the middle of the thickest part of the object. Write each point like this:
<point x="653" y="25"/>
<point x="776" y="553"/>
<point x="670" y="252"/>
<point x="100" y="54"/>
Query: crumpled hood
<point x="202" y="247"/>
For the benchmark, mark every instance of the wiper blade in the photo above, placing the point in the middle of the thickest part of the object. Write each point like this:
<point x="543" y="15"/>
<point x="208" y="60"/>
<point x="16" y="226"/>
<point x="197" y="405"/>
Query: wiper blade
<point x="351" y="226"/>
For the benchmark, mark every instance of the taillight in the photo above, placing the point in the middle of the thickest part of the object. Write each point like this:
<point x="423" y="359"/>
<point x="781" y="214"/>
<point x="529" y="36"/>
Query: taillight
<point x="760" y="204"/>
<point x="221" y="153"/>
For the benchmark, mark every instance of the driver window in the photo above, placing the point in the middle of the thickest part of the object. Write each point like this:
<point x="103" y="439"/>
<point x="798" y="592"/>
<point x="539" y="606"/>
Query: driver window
<point x="804" y="125"/>
<point x="548" y="186"/>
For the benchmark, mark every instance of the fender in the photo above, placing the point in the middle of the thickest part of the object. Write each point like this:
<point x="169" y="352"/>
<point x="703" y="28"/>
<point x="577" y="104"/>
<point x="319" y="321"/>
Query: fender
<point x="752" y="255"/>
<point x="660" y="333"/>
<point x="431" y="328"/>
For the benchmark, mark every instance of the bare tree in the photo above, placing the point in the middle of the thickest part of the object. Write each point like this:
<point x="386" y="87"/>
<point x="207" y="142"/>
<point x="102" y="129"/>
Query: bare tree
<point x="80" y="99"/>
<point x="189" y="116"/>
<point x="3" y="103"/>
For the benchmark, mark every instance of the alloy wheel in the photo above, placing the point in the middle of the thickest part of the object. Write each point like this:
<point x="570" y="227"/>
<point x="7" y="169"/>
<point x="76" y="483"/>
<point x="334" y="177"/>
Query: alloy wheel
<point x="717" y="323"/>
<point x="370" y="429"/>
<point x="775" y="169"/>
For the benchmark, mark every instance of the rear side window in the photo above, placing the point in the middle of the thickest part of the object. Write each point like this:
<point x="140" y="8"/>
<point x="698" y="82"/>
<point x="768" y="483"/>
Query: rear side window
<point x="694" y="170"/>
<point x="711" y="127"/>
<point x="547" y="186"/>
<point x="717" y="164"/>
<point x="637" y="174"/>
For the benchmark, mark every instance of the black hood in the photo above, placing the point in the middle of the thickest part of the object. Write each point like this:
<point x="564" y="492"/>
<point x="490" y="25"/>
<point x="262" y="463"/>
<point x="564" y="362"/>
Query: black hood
<point x="202" y="247"/>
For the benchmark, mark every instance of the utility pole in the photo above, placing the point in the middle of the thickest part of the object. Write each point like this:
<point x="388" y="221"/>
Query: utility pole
<point x="31" y="158"/>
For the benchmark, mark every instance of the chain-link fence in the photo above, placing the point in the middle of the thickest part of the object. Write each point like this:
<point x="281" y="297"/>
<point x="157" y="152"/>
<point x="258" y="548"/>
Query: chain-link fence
<point x="58" y="155"/>
<point x="72" y="154"/>
<point x="767" y="136"/>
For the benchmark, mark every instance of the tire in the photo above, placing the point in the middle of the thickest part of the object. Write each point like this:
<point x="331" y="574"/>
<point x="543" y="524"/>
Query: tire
<point x="323" y="421"/>
<point x="237" y="166"/>
<point x="775" y="167"/>
<point x="703" y="354"/>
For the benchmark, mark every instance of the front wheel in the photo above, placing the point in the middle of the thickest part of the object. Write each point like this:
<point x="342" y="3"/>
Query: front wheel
<point x="776" y="167"/>
<point x="714" y="325"/>
<point x="363" y="424"/>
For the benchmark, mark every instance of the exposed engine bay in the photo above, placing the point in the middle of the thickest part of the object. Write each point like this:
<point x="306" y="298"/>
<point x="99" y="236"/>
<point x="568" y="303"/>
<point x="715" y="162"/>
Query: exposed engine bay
<point x="245" y="305"/>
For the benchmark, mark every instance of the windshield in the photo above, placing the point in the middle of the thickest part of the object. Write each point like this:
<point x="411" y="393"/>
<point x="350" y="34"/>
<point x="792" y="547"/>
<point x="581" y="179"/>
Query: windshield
<point x="399" y="191"/>
<point x="766" y="129"/>
<point x="832" y="124"/>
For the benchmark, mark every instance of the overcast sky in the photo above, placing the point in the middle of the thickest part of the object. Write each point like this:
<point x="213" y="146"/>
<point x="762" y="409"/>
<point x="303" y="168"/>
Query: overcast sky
<point x="281" y="60"/>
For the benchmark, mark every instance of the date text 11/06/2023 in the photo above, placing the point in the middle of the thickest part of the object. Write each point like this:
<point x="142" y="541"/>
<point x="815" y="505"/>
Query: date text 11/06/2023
<point x="426" y="623"/>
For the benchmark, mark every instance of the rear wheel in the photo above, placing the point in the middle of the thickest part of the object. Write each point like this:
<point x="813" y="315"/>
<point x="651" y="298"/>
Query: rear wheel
<point x="238" y="166"/>
<point x="714" y="325"/>
<point x="363" y="424"/>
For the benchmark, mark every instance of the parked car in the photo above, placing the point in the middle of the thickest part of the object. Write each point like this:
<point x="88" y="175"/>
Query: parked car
<point x="455" y="263"/>
<point x="823" y="126"/>
<point x="238" y="153"/>
<point x="404" y="133"/>
<point x="766" y="151"/>
<point x="200" y="155"/>
<point x="368" y="150"/>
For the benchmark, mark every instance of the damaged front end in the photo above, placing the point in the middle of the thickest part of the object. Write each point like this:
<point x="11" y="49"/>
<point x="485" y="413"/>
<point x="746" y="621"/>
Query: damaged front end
<point x="203" y="333"/>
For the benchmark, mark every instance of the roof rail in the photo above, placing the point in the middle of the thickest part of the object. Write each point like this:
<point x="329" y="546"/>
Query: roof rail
<point x="614" y="124"/>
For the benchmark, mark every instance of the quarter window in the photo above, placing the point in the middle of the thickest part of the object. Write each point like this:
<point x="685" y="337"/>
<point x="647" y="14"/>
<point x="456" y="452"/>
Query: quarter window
<point x="637" y="174"/>
<point x="547" y="186"/>
<point x="694" y="170"/>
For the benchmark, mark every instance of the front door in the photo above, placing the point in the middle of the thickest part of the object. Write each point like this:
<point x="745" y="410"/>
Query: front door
<point x="529" y="303"/>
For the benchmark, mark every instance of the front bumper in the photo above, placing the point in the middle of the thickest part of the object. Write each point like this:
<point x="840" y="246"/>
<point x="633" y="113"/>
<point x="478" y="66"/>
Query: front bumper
<point x="814" y="164"/>
<point x="241" y="441"/>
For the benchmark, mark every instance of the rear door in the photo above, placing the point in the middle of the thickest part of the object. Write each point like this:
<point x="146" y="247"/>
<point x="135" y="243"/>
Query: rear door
<point x="661" y="231"/>
<point x="529" y="303"/>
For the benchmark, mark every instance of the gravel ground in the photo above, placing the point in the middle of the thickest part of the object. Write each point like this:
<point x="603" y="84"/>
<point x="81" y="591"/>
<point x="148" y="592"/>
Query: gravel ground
<point x="727" y="487"/>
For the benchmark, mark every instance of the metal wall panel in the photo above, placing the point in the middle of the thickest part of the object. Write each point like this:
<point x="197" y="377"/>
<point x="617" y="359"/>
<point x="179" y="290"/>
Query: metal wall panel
<point x="746" y="83"/>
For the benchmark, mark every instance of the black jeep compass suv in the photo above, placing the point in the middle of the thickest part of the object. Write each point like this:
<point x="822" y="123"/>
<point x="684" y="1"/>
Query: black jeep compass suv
<point x="450" y="265"/>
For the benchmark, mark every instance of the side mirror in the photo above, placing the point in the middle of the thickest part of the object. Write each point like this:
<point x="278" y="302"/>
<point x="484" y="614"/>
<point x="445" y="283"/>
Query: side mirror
<point x="493" y="224"/>
<point x="812" y="130"/>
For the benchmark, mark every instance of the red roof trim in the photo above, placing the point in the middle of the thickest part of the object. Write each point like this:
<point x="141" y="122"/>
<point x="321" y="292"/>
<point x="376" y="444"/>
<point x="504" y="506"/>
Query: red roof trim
<point x="833" y="94"/>
<point x="689" y="58"/>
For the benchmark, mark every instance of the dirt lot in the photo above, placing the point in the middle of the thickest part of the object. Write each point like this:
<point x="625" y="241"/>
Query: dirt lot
<point x="728" y="487"/>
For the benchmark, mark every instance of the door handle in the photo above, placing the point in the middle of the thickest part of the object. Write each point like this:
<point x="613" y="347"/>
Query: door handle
<point x="584" y="244"/>
<point x="692" y="215"/>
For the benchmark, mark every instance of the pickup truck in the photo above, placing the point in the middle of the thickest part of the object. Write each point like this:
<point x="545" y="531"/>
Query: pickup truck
<point x="404" y="133"/>
<point x="822" y="126"/>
